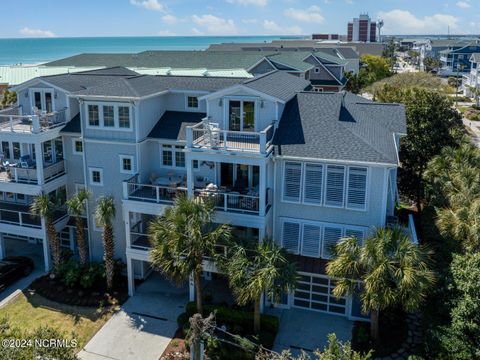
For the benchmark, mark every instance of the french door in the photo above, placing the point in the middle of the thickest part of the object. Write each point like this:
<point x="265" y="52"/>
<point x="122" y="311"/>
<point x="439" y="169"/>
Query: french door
<point x="241" y="115"/>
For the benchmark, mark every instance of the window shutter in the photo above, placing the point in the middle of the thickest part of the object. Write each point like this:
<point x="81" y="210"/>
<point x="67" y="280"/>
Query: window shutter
<point x="331" y="236"/>
<point x="291" y="236"/>
<point x="358" y="234"/>
<point x="311" y="240"/>
<point x="357" y="187"/>
<point x="335" y="183"/>
<point x="313" y="184"/>
<point x="292" y="181"/>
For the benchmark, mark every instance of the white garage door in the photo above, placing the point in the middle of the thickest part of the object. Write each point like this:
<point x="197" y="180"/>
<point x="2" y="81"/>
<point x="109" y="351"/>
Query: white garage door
<point x="315" y="292"/>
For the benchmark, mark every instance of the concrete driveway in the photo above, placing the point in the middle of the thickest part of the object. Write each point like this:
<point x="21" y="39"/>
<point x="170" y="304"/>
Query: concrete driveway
<point x="307" y="330"/>
<point x="23" y="248"/>
<point x="143" y="327"/>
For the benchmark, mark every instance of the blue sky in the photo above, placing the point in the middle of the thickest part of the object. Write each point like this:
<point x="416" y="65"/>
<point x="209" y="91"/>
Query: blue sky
<point x="64" y="18"/>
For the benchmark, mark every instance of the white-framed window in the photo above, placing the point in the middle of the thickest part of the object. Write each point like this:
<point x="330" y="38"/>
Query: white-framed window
<point x="317" y="70"/>
<point x="77" y="145"/>
<point x="313" y="184"/>
<point x="192" y="102"/>
<point x="357" y="188"/>
<point x="43" y="99"/>
<point x="316" y="239"/>
<point x="96" y="225"/>
<point x="173" y="156"/>
<point x="95" y="176"/>
<point x="79" y="187"/>
<point x="335" y="186"/>
<point x="127" y="164"/>
<point x="109" y="116"/>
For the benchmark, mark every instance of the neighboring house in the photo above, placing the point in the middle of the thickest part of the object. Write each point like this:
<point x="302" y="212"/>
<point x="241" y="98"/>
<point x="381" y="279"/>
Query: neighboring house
<point x="325" y="68"/>
<point x="457" y="60"/>
<point x="304" y="168"/>
<point x="472" y="79"/>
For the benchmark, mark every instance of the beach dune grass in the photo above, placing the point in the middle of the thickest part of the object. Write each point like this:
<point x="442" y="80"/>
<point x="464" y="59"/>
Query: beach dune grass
<point x="29" y="311"/>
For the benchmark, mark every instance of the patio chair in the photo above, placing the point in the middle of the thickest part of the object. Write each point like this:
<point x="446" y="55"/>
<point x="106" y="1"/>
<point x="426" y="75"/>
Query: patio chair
<point x="212" y="134"/>
<point x="26" y="162"/>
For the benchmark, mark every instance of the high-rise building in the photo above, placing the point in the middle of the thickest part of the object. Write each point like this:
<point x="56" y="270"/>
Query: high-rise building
<point x="362" y="29"/>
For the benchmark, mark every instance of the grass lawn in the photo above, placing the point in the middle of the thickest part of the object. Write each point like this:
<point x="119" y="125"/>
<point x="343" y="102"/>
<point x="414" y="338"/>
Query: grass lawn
<point x="27" y="311"/>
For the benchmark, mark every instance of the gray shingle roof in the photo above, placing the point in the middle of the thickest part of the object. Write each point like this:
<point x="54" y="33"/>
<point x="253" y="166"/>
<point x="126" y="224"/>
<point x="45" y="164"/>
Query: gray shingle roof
<point x="278" y="84"/>
<point x="73" y="126"/>
<point x="172" y="124"/>
<point x="339" y="126"/>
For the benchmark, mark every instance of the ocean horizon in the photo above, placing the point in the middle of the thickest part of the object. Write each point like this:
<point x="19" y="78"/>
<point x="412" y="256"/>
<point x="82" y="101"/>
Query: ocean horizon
<point x="40" y="50"/>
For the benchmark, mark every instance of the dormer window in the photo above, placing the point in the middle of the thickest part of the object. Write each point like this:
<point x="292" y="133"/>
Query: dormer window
<point x="317" y="70"/>
<point x="109" y="116"/>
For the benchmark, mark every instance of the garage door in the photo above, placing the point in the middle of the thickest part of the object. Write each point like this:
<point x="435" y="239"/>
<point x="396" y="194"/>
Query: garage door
<point x="315" y="292"/>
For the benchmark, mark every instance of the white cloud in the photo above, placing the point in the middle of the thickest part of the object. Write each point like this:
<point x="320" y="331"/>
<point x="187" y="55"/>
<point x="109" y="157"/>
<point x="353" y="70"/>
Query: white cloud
<point x="149" y="4"/>
<point x="249" y="2"/>
<point x="211" y="24"/>
<point x="170" y="19"/>
<point x="463" y="4"/>
<point x="311" y="15"/>
<point x="273" y="28"/>
<point x="26" y="31"/>
<point x="250" y="21"/>
<point x="404" y="22"/>
<point x="166" y="33"/>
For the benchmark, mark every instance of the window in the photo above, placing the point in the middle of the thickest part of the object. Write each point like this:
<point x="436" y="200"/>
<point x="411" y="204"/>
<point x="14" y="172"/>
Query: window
<point x="124" y="117"/>
<point x="179" y="156"/>
<point x="313" y="184"/>
<point x="241" y="115"/>
<point x="292" y="182"/>
<point x="93" y="116"/>
<point x="192" y="102"/>
<point x="316" y="239"/>
<point x="335" y="185"/>
<point x="6" y="149"/>
<point x="126" y="164"/>
<point x="167" y="156"/>
<point x="96" y="224"/>
<point x="317" y="70"/>
<point x="357" y="188"/>
<point x="77" y="146"/>
<point x="96" y="176"/>
<point x="16" y="150"/>
<point x="291" y="236"/>
<point x="195" y="164"/>
<point x="108" y="116"/>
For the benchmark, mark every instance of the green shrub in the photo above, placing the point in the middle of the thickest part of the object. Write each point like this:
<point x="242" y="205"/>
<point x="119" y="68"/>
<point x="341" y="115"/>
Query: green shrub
<point x="89" y="276"/>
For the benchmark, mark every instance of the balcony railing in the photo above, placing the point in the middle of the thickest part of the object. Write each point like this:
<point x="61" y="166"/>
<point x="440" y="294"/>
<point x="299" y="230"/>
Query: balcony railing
<point x="20" y="215"/>
<point x="30" y="175"/>
<point x="230" y="201"/>
<point x="134" y="190"/>
<point x="12" y="120"/>
<point x="206" y="135"/>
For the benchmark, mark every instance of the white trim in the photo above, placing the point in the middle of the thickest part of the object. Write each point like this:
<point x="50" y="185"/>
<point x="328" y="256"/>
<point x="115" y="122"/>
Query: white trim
<point x="193" y="109"/>
<point x="116" y="116"/>
<point x="90" y="176"/>
<point x="132" y="164"/>
<point x="74" y="148"/>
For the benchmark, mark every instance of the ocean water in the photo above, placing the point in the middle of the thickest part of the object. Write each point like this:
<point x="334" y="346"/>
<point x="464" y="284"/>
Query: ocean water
<point x="34" y="51"/>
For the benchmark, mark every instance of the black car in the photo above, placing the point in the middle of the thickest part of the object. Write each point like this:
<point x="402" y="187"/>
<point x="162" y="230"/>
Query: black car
<point x="13" y="268"/>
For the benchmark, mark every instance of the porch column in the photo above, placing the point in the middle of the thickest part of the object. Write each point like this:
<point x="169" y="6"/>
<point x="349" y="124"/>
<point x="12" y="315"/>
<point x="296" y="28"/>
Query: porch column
<point x="190" y="180"/>
<point x="2" y="247"/>
<point x="131" y="278"/>
<point x="46" y="247"/>
<point x="71" y="236"/>
<point x="261" y="234"/>
<point x="191" y="288"/>
<point x="262" y="303"/>
<point x="126" y="219"/>
<point x="39" y="162"/>
<point x="263" y="189"/>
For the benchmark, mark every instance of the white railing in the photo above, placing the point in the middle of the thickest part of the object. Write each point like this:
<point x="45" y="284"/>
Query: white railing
<point x="412" y="230"/>
<point x="230" y="201"/>
<point x="52" y="171"/>
<point x="134" y="190"/>
<point x="30" y="175"/>
<point x="12" y="120"/>
<point x="203" y="136"/>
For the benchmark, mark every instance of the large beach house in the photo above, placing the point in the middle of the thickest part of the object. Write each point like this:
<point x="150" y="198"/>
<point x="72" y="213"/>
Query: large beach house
<point x="305" y="168"/>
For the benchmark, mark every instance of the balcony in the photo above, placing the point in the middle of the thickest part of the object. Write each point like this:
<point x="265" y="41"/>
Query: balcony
<point x="208" y="136"/>
<point x="233" y="201"/>
<point x="11" y="120"/>
<point x="159" y="194"/>
<point x="15" y="173"/>
<point x="19" y="215"/>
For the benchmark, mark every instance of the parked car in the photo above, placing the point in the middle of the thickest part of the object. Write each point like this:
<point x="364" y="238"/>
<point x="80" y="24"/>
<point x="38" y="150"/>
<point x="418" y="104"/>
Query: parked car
<point x="13" y="268"/>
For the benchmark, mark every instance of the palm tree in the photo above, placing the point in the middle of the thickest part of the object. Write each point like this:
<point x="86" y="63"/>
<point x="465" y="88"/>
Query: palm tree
<point x="182" y="237"/>
<point x="44" y="207"/>
<point x="104" y="215"/>
<point x="76" y="207"/>
<point x="251" y="273"/>
<point x="388" y="270"/>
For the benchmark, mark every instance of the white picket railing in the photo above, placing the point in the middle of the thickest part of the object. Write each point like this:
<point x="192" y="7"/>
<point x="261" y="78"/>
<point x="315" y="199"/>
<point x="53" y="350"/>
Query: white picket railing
<point x="12" y="120"/>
